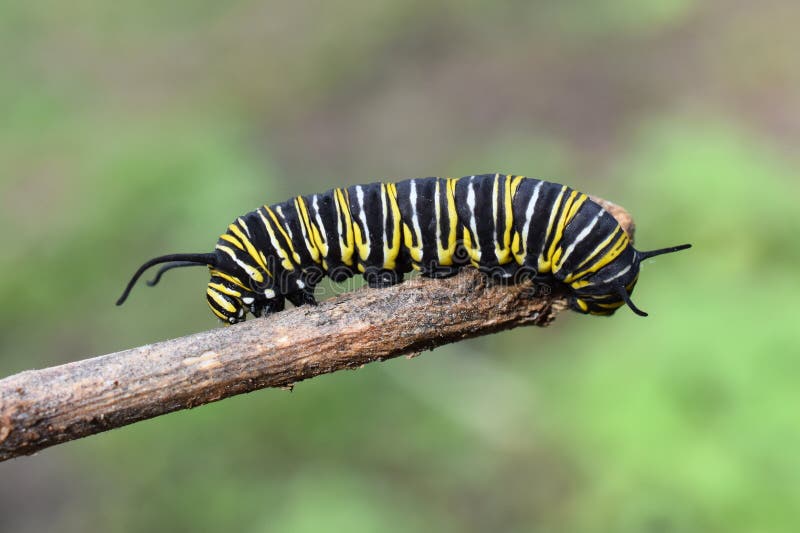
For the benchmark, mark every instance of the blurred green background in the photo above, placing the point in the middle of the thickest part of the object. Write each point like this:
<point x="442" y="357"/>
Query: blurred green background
<point x="136" y="129"/>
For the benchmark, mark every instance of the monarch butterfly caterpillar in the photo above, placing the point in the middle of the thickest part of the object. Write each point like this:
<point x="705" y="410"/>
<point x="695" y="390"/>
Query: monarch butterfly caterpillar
<point x="509" y="227"/>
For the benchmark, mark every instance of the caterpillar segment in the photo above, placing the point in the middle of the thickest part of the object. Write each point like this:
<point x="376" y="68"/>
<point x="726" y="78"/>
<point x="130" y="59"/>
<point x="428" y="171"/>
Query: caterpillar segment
<point x="488" y="220"/>
<point x="509" y="227"/>
<point x="377" y="225"/>
<point x="430" y="225"/>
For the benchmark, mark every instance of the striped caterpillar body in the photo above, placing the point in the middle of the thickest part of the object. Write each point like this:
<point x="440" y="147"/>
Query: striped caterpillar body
<point x="509" y="227"/>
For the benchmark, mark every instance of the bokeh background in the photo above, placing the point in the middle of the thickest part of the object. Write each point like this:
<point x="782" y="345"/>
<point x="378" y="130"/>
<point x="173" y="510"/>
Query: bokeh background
<point x="128" y="130"/>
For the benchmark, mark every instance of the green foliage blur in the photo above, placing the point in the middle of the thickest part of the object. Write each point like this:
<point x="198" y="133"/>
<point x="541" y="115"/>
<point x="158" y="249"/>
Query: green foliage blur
<point x="129" y="130"/>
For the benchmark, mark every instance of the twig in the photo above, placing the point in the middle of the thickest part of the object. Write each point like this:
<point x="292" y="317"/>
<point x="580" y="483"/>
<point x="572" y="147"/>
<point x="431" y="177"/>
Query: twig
<point x="40" y="408"/>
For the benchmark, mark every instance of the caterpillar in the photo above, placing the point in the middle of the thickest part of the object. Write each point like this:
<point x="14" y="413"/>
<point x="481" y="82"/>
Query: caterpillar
<point x="509" y="227"/>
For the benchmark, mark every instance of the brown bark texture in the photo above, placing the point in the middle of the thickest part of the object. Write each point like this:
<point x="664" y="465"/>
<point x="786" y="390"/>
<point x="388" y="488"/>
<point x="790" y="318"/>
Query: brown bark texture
<point x="41" y="408"/>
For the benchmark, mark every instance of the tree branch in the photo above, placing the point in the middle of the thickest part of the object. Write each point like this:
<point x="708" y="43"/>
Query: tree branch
<point x="40" y="408"/>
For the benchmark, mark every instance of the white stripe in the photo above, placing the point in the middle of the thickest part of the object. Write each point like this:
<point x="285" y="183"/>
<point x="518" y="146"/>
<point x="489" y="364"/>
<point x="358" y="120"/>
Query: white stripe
<point x="550" y="222"/>
<point x="472" y="225"/>
<point x="246" y="229"/>
<point x="247" y="268"/>
<point x="385" y="217"/>
<point x="340" y="212"/>
<point x="412" y="198"/>
<point x="363" y="217"/>
<point x="618" y="274"/>
<point x="285" y="225"/>
<point x="529" y="214"/>
<point x="312" y="250"/>
<point x="438" y="211"/>
<point x="286" y="263"/>
<point x="582" y="235"/>
<point x="495" y="194"/>
<point x="495" y="198"/>
<point x="321" y="226"/>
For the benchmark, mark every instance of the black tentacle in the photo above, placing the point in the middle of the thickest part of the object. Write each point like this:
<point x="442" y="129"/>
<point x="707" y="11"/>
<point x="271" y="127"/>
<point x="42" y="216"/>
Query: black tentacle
<point x="197" y="259"/>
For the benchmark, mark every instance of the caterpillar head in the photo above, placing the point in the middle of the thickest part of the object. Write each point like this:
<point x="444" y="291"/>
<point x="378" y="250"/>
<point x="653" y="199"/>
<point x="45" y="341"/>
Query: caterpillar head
<point x="226" y="300"/>
<point x="230" y="301"/>
<point x="226" y="293"/>
<point x="223" y="297"/>
<point x="610" y="287"/>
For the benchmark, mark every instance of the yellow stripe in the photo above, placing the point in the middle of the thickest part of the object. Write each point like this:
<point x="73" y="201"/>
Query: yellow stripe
<point x="314" y="239"/>
<point x="566" y="220"/>
<point x="544" y="262"/>
<point x="560" y="229"/>
<point x="252" y="272"/>
<point x="611" y="306"/>
<point x="280" y="227"/>
<point x="233" y="240"/>
<point x="251" y="250"/>
<point x="391" y="252"/>
<point x="612" y="254"/>
<point x="220" y="300"/>
<point x="361" y="245"/>
<point x="363" y="251"/>
<point x="347" y="244"/>
<point x="228" y="277"/>
<point x="505" y="256"/>
<point x="445" y="255"/>
<point x="516" y="247"/>
<point x="473" y="253"/>
<point x="225" y="290"/>
<point x="282" y="253"/>
<point x="414" y="251"/>
<point x="515" y="183"/>
<point x="452" y="215"/>
<point x="575" y="207"/>
<point x="555" y="259"/>
<point x="219" y="315"/>
<point x="592" y="255"/>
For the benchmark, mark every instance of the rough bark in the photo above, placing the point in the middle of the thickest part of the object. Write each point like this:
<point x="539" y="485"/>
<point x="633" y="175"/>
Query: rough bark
<point x="40" y="408"/>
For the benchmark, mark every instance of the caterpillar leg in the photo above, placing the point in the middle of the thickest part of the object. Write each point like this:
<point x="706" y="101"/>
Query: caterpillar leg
<point x="439" y="271"/>
<point x="380" y="278"/>
<point x="340" y="274"/>
<point x="504" y="274"/>
<point x="273" y="305"/>
<point x="300" y="290"/>
<point x="304" y="297"/>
